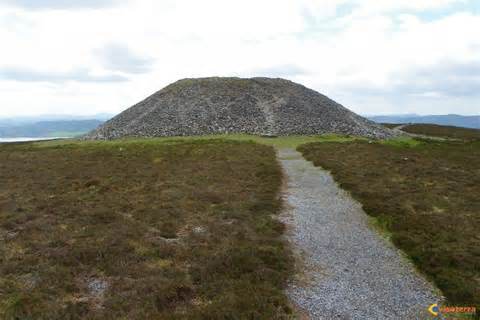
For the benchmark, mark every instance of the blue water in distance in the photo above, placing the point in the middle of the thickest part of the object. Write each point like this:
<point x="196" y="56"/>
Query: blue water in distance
<point x="24" y="139"/>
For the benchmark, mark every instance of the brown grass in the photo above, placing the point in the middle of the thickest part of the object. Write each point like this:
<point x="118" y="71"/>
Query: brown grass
<point x="178" y="230"/>
<point x="391" y="125"/>
<point x="443" y="131"/>
<point x="426" y="195"/>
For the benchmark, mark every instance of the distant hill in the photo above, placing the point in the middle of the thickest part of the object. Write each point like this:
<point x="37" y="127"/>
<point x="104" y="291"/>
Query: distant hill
<point x="54" y="128"/>
<point x="445" y="120"/>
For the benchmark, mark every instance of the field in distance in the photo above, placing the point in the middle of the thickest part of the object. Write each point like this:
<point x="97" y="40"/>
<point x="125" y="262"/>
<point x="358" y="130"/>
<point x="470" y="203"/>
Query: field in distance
<point x="434" y="130"/>
<point x="443" y="131"/>
<point x="141" y="230"/>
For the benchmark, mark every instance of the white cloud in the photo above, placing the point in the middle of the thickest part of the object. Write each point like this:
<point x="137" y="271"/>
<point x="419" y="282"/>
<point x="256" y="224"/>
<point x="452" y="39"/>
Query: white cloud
<point x="360" y="52"/>
<point x="58" y="4"/>
<point x="118" y="57"/>
<point x="414" y="5"/>
<point x="77" y="75"/>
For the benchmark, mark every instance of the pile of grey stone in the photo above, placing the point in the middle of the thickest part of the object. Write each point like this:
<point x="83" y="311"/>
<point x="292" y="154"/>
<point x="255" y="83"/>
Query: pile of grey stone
<point x="259" y="106"/>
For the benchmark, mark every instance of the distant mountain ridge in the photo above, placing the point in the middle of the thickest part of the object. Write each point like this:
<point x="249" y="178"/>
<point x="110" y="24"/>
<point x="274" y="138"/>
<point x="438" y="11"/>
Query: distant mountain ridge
<point x="445" y="120"/>
<point x="21" y="120"/>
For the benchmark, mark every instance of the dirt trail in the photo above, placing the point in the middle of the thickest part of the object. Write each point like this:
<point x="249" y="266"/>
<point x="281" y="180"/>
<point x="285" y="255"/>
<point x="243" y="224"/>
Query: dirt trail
<point x="351" y="272"/>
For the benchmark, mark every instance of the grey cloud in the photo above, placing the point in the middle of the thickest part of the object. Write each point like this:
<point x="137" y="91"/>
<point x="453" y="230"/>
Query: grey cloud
<point x="287" y="70"/>
<point x="78" y="75"/>
<point x="60" y="4"/>
<point x="116" y="57"/>
<point x="446" y="87"/>
<point x="446" y="78"/>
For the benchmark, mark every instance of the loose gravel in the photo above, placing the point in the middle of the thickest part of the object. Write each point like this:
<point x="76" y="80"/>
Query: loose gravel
<point x="349" y="270"/>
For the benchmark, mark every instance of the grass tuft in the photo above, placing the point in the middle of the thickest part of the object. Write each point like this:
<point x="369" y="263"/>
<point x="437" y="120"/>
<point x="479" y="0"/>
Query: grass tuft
<point x="403" y="142"/>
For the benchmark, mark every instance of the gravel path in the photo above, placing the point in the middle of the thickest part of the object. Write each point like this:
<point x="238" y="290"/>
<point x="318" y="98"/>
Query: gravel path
<point x="351" y="272"/>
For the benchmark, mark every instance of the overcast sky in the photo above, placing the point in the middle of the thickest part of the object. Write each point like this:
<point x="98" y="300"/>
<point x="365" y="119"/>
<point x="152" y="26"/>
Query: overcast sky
<point x="373" y="56"/>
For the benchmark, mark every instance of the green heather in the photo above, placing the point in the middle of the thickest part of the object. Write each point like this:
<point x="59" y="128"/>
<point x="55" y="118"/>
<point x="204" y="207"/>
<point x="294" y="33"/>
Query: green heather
<point x="424" y="195"/>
